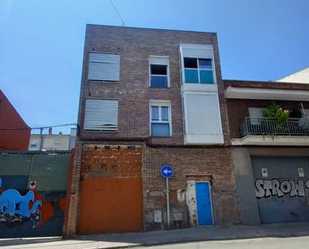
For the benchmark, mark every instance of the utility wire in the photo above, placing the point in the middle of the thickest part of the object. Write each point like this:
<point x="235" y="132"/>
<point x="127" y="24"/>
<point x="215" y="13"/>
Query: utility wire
<point x="36" y="128"/>
<point x="117" y="12"/>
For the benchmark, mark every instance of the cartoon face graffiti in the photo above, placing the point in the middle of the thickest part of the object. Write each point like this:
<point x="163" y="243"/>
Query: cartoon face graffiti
<point x="15" y="207"/>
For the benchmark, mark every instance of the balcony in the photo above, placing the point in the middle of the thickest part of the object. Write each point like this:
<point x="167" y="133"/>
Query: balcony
<point x="263" y="131"/>
<point x="264" y="126"/>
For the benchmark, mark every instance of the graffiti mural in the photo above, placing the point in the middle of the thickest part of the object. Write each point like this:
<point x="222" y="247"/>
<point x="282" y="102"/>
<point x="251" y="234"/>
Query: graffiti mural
<point x="276" y="187"/>
<point x="15" y="207"/>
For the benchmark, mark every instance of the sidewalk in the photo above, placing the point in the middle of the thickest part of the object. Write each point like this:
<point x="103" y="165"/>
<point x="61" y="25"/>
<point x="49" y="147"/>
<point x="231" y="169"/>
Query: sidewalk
<point x="160" y="237"/>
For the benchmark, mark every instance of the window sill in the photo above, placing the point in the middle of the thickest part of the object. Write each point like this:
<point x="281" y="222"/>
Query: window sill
<point x="151" y="87"/>
<point x="199" y="87"/>
<point x="161" y="137"/>
<point x="102" y="81"/>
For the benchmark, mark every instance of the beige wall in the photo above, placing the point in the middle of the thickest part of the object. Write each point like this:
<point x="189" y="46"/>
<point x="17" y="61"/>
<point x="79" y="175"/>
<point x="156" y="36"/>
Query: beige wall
<point x="50" y="142"/>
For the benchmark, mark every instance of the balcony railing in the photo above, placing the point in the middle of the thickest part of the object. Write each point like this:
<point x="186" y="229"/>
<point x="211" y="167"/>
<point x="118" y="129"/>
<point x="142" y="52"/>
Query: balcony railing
<point x="265" y="126"/>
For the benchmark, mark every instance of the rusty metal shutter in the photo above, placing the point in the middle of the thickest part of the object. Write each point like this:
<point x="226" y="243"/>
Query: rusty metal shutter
<point x="101" y="115"/>
<point x="104" y="67"/>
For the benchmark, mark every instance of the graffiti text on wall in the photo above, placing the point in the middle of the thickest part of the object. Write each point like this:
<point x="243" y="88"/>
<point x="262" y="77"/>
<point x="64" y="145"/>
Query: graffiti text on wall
<point x="14" y="207"/>
<point x="279" y="188"/>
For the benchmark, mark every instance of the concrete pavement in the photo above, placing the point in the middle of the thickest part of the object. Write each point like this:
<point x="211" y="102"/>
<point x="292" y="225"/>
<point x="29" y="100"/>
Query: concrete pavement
<point x="266" y="243"/>
<point x="161" y="237"/>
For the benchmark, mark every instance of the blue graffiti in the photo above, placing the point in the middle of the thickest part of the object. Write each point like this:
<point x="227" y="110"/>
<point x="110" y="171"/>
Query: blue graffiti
<point x="15" y="207"/>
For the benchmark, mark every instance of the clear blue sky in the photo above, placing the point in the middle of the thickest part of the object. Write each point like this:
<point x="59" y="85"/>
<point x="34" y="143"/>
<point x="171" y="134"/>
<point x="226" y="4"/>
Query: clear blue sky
<point x="41" y="43"/>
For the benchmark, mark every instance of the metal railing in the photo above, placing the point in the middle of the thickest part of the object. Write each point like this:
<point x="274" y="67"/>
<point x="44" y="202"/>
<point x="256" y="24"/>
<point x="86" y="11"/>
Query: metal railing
<point x="265" y="126"/>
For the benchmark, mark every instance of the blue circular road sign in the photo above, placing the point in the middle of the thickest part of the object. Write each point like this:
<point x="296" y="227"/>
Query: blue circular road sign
<point x="166" y="171"/>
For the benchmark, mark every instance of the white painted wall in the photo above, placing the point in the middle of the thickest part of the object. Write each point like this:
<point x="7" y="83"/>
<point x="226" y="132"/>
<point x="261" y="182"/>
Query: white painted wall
<point x="50" y="142"/>
<point x="202" y="115"/>
<point x="191" y="202"/>
<point x="298" y="77"/>
<point x="202" y="119"/>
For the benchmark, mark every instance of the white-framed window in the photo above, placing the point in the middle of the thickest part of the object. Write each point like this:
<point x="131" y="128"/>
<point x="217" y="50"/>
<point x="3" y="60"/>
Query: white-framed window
<point x="198" y="71"/>
<point x="159" y="72"/>
<point x="197" y="64"/>
<point x="104" y="67"/>
<point x="101" y="115"/>
<point x="256" y="114"/>
<point x="160" y="119"/>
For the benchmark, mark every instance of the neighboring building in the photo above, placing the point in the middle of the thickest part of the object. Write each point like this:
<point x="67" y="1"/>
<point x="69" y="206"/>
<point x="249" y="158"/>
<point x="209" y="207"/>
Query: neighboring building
<point x="14" y="132"/>
<point x="301" y="76"/>
<point x="271" y="157"/>
<point x="135" y="84"/>
<point x="52" y="141"/>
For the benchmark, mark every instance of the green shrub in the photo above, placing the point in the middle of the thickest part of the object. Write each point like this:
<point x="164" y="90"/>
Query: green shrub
<point x="274" y="111"/>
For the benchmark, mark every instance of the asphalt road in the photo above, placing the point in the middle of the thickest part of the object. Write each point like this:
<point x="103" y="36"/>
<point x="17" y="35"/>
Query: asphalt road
<point x="264" y="243"/>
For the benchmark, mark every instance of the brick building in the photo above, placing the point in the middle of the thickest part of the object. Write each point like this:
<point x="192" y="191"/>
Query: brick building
<point x="271" y="156"/>
<point x="151" y="98"/>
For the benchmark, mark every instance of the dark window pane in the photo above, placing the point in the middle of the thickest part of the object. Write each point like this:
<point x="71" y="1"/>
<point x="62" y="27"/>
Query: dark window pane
<point x="160" y="130"/>
<point x="190" y="62"/>
<point x="158" y="69"/>
<point x="205" y="63"/>
<point x="206" y="77"/>
<point x="158" y="81"/>
<point x="155" y="113"/>
<point x="191" y="76"/>
<point x="164" y="113"/>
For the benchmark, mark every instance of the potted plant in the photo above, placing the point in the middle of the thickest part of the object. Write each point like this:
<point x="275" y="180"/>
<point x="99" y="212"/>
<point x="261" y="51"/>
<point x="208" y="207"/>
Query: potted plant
<point x="276" y="118"/>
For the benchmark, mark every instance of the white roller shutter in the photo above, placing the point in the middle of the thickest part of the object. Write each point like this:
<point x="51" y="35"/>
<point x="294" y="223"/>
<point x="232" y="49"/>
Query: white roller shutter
<point x="104" y="67"/>
<point x="197" y="51"/>
<point x="158" y="60"/>
<point x="101" y="115"/>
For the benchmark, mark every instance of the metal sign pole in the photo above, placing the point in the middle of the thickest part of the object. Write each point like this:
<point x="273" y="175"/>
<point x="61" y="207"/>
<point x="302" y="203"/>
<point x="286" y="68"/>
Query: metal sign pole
<point x="167" y="171"/>
<point x="168" y="203"/>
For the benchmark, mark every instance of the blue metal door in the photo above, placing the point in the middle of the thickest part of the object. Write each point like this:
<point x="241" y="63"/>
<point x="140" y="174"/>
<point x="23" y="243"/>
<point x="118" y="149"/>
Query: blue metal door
<point x="203" y="203"/>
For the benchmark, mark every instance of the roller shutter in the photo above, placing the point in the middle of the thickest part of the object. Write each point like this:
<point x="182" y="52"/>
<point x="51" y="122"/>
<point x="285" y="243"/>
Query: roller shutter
<point x="101" y="115"/>
<point x="104" y="67"/>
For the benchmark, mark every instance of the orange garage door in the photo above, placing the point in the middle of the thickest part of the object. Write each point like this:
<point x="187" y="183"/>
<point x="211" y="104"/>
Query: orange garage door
<point x="111" y="190"/>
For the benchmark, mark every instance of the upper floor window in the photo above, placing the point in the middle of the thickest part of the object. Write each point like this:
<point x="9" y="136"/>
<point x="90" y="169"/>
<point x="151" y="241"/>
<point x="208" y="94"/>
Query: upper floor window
<point x="101" y="115"/>
<point x="104" y="67"/>
<point x="160" y="119"/>
<point x="198" y="71"/>
<point x="159" y="71"/>
<point x="198" y="65"/>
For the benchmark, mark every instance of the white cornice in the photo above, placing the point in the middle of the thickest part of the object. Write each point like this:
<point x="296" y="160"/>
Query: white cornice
<point x="269" y="140"/>
<point x="264" y="93"/>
